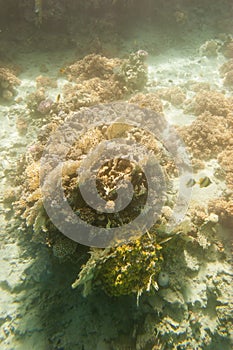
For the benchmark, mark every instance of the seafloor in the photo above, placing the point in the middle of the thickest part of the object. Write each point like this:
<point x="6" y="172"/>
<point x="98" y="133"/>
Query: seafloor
<point x="190" y="81"/>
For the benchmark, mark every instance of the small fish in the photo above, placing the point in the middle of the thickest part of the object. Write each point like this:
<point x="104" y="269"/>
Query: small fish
<point x="62" y="70"/>
<point x="191" y="183"/>
<point x="204" y="181"/>
<point x="58" y="98"/>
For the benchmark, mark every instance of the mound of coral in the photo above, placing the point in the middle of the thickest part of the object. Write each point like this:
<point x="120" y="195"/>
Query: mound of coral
<point x="207" y="136"/>
<point x="8" y="83"/>
<point x="127" y="258"/>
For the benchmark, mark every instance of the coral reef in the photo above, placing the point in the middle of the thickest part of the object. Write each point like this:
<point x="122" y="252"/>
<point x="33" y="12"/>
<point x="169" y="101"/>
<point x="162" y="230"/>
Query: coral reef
<point x="149" y="101"/>
<point x="99" y="79"/>
<point x="210" y="101"/>
<point x="8" y="82"/>
<point x="226" y="72"/>
<point x="174" y="94"/>
<point x="45" y="82"/>
<point x="127" y="257"/>
<point x="225" y="160"/>
<point x="209" y="48"/>
<point x="223" y="207"/>
<point x="228" y="48"/>
<point x="133" y="72"/>
<point x="92" y="66"/>
<point x="90" y="92"/>
<point x="207" y="136"/>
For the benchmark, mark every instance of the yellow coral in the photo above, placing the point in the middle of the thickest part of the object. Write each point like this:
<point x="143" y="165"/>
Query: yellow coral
<point x="129" y="268"/>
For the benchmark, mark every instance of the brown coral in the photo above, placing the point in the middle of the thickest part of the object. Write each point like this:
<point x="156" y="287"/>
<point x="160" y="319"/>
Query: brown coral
<point x="211" y="101"/>
<point x="8" y="82"/>
<point x="226" y="72"/>
<point x="173" y="94"/>
<point x="228" y="49"/>
<point x="92" y="66"/>
<point x="43" y="81"/>
<point x="207" y="136"/>
<point x="149" y="101"/>
<point x="91" y="92"/>
<point x="225" y="159"/>
<point x="223" y="207"/>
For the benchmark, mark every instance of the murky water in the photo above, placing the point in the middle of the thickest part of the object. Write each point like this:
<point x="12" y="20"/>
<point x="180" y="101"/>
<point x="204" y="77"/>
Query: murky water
<point x="129" y="95"/>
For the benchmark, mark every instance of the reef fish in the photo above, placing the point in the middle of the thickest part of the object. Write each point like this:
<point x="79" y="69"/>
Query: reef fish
<point x="202" y="182"/>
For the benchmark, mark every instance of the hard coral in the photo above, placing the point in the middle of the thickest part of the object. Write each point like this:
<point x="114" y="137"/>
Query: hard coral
<point x="225" y="160"/>
<point x="173" y="94"/>
<point x="223" y="207"/>
<point x="209" y="48"/>
<point x="228" y="49"/>
<point x="226" y="72"/>
<point x="133" y="72"/>
<point x="207" y="136"/>
<point x="92" y="126"/>
<point x="211" y="101"/>
<point x="100" y="79"/>
<point x="149" y="101"/>
<point x="43" y="81"/>
<point x="8" y="82"/>
<point x="92" y="66"/>
<point x="91" y="92"/>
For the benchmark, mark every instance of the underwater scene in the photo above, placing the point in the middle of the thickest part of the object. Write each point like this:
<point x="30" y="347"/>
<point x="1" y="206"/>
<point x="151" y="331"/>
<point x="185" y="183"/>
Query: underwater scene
<point x="116" y="175"/>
